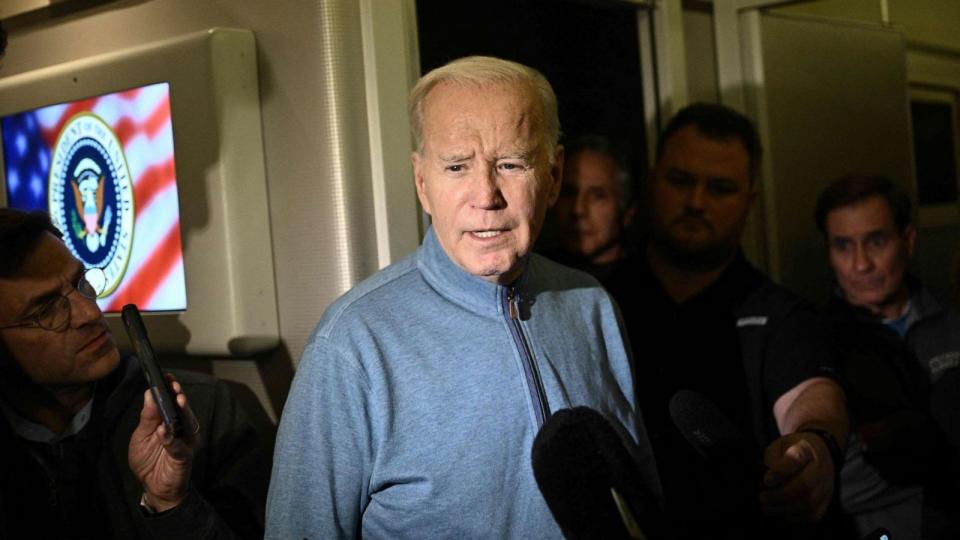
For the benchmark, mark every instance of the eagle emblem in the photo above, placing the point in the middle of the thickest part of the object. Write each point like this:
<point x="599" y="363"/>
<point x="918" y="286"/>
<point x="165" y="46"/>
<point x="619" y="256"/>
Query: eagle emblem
<point x="91" y="196"/>
<point x="87" y="186"/>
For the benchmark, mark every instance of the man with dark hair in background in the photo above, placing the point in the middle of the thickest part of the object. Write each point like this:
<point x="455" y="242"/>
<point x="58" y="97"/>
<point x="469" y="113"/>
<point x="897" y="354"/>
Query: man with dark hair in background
<point x="83" y="451"/>
<point x="900" y="357"/>
<point x="594" y="208"/>
<point x="701" y="318"/>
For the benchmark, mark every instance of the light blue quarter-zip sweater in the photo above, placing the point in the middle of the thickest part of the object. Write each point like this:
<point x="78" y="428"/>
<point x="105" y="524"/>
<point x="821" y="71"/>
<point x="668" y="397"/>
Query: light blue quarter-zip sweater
<point x="417" y="399"/>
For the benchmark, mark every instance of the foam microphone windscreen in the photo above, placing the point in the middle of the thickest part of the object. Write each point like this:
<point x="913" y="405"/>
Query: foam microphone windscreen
<point x="577" y="458"/>
<point x="735" y="468"/>
<point x="708" y="430"/>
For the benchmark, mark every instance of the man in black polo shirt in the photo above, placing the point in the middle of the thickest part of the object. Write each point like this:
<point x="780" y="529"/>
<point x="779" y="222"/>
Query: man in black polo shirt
<point x="701" y="318"/>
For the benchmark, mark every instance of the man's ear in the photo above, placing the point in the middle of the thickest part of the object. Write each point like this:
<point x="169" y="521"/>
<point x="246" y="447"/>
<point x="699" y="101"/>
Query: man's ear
<point x="629" y="214"/>
<point x="417" y="160"/>
<point x="910" y="236"/>
<point x="754" y="192"/>
<point x="556" y="175"/>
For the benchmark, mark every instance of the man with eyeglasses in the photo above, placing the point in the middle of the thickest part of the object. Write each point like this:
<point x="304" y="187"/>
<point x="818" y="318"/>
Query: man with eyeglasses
<point x="84" y="452"/>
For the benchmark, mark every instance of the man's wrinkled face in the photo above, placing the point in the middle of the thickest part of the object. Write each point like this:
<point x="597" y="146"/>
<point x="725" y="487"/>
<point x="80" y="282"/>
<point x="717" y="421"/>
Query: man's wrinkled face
<point x="589" y="211"/>
<point x="869" y="255"/>
<point x="484" y="176"/>
<point x="701" y="197"/>
<point x="84" y="352"/>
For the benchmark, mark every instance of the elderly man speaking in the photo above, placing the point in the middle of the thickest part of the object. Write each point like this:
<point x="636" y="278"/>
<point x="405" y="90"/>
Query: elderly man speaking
<point x="418" y="397"/>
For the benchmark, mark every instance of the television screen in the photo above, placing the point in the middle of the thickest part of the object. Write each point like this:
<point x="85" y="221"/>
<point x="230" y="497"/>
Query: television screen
<point x="104" y="169"/>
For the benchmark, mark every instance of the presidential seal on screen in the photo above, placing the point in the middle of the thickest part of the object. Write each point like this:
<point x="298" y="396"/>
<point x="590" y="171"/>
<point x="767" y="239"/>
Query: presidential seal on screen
<point x="91" y="196"/>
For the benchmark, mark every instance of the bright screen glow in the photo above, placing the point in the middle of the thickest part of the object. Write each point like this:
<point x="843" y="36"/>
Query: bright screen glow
<point x="104" y="169"/>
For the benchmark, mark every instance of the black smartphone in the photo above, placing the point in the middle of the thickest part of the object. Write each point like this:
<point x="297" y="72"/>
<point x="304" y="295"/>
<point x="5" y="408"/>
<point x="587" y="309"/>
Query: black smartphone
<point x="162" y="393"/>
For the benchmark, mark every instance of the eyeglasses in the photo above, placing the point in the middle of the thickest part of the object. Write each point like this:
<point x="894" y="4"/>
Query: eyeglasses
<point x="54" y="315"/>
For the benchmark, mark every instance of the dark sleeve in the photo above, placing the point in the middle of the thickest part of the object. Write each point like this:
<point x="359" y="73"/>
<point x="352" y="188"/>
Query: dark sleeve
<point x="230" y="471"/>
<point x="193" y="518"/>
<point x="798" y="349"/>
<point x="945" y="405"/>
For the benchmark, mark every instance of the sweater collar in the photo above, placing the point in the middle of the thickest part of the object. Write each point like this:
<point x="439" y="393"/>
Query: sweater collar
<point x="112" y="395"/>
<point x="33" y="431"/>
<point x="452" y="282"/>
<point x="923" y="304"/>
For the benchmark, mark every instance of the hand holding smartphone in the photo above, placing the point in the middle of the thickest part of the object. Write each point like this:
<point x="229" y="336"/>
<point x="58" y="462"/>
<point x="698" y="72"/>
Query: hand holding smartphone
<point x="159" y="387"/>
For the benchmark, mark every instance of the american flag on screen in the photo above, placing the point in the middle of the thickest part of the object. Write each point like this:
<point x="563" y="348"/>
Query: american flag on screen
<point x="104" y="169"/>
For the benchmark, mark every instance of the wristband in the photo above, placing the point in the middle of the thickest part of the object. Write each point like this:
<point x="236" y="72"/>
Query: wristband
<point x="149" y="510"/>
<point x="146" y="507"/>
<point x="836" y="454"/>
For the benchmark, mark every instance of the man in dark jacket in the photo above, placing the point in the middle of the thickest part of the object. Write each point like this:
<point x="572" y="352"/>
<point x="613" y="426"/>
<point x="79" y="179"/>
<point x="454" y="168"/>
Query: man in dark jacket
<point x="84" y="451"/>
<point x="702" y="319"/>
<point x="900" y="355"/>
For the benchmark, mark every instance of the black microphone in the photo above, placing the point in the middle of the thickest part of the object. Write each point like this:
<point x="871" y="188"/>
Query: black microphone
<point x="708" y="429"/>
<point x="591" y="483"/>
<point x="724" y="446"/>
<point x="728" y="452"/>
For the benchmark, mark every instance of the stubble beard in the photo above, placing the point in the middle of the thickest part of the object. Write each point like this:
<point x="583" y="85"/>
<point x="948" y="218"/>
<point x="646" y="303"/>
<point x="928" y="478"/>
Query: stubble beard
<point x="703" y="257"/>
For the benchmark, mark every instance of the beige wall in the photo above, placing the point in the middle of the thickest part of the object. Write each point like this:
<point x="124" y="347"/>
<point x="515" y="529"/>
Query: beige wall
<point x="934" y="23"/>
<point x="932" y="32"/>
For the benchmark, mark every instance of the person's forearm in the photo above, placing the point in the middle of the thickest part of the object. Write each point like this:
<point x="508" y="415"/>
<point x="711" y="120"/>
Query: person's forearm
<point x="816" y="403"/>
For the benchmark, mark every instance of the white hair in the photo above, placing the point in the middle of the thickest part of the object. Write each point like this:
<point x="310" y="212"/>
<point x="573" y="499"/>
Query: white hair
<point x="483" y="71"/>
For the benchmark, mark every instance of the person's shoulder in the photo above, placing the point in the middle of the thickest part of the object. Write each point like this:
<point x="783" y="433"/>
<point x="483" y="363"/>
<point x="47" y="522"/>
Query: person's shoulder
<point x="384" y="290"/>
<point x="130" y="374"/>
<point x="202" y="390"/>
<point x="765" y="300"/>
<point x="930" y="304"/>
<point x="938" y="321"/>
<point x="188" y="377"/>
<point x="552" y="274"/>
<point x="561" y="287"/>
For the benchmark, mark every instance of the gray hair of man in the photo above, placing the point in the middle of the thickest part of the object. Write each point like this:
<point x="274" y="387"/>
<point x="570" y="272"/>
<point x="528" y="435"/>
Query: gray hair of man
<point x="484" y="71"/>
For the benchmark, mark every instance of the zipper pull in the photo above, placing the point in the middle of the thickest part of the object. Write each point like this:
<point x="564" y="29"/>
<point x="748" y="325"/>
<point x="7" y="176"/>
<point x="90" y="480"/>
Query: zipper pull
<point x="511" y="296"/>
